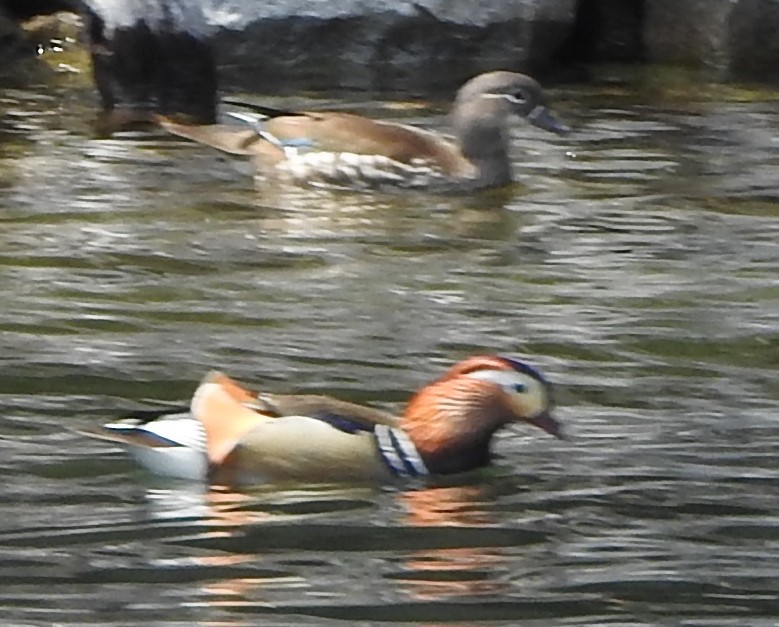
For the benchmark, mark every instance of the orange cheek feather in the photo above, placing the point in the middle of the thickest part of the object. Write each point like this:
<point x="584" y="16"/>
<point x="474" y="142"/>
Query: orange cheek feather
<point x="430" y="432"/>
<point x="452" y="413"/>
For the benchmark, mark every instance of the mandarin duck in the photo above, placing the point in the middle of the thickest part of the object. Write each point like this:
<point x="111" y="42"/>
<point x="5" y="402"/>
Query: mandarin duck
<point x="229" y="432"/>
<point x="348" y="150"/>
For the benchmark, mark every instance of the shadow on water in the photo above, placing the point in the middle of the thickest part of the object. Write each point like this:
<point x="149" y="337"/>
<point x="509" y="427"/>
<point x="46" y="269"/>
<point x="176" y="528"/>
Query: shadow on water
<point x="636" y="262"/>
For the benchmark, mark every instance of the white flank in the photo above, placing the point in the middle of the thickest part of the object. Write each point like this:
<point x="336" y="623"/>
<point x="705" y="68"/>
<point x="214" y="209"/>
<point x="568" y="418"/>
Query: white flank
<point x="351" y="169"/>
<point x="186" y="459"/>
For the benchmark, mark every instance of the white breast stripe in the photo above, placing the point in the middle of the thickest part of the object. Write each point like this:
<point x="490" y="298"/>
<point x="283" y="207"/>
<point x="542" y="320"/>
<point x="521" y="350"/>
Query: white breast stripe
<point x="410" y="453"/>
<point x="388" y="452"/>
<point x="399" y="452"/>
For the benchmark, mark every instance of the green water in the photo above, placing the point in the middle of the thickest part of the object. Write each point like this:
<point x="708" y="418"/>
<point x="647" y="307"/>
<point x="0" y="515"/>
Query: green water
<point x="636" y="261"/>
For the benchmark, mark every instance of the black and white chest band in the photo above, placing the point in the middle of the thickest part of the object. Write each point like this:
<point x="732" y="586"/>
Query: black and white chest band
<point x="398" y="453"/>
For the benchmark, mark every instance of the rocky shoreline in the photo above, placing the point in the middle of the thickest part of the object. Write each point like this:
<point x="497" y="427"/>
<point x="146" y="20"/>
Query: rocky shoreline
<point x="170" y="52"/>
<point x="378" y="43"/>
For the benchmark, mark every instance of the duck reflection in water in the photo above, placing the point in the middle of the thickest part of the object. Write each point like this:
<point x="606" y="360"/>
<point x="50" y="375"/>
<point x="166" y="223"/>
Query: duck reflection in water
<point x="242" y="533"/>
<point x="450" y="569"/>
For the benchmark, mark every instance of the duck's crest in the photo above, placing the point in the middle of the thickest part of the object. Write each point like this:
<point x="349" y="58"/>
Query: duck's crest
<point x="521" y="366"/>
<point x="479" y="362"/>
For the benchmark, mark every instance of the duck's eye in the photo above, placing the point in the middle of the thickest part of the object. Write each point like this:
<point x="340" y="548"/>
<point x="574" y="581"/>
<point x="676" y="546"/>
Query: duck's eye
<point x="519" y="97"/>
<point x="521" y="388"/>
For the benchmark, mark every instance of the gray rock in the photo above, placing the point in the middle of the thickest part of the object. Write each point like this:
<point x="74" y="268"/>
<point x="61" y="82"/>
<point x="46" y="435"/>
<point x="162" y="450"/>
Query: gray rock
<point x="732" y="37"/>
<point x="607" y="31"/>
<point x="382" y="44"/>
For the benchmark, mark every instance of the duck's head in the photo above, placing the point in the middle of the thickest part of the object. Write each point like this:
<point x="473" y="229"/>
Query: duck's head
<point x="480" y="121"/>
<point x="452" y="420"/>
<point x="501" y="94"/>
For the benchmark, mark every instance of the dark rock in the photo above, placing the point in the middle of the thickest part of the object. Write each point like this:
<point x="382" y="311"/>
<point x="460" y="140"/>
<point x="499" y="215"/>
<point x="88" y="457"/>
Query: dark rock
<point x="754" y="39"/>
<point x="731" y="37"/>
<point x="12" y="44"/>
<point x="606" y="31"/>
<point x="151" y="57"/>
<point x="21" y="10"/>
<point x="383" y="44"/>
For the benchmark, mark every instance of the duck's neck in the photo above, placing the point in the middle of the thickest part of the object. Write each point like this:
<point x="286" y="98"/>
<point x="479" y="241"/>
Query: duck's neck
<point x="483" y="137"/>
<point x="456" y="455"/>
<point x="451" y="424"/>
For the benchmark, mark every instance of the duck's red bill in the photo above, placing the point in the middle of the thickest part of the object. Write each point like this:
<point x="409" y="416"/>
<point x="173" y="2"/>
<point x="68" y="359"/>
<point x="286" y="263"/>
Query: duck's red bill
<point x="546" y="422"/>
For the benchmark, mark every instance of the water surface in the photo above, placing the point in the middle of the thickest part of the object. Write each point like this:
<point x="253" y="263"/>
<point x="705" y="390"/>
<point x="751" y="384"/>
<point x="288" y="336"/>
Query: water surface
<point x="636" y="261"/>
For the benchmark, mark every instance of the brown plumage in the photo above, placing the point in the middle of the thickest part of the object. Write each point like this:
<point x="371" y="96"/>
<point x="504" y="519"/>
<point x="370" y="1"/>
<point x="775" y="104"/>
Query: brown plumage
<point x="350" y="150"/>
<point x="446" y="427"/>
<point x="451" y="423"/>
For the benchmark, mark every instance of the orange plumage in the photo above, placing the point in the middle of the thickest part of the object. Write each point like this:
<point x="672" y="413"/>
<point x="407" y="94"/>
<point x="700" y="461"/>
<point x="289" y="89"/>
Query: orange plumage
<point x="446" y="427"/>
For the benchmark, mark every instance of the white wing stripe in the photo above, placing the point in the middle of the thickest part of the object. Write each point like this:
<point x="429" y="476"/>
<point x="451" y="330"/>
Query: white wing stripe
<point x="181" y="429"/>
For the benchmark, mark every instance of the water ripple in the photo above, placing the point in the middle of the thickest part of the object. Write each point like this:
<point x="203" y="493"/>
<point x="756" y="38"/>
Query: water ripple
<point x="635" y="262"/>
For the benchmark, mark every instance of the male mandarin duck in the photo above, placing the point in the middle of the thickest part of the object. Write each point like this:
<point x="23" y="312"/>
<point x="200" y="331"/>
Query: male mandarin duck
<point x="344" y="149"/>
<point x="230" y="432"/>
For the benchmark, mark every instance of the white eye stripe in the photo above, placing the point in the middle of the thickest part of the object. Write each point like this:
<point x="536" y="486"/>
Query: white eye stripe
<point x="504" y="378"/>
<point x="510" y="97"/>
<point x="526" y="395"/>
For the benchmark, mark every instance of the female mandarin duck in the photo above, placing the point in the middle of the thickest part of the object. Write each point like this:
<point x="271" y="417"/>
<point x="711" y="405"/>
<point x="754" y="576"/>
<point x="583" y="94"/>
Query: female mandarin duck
<point x="230" y="432"/>
<point x="343" y="149"/>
